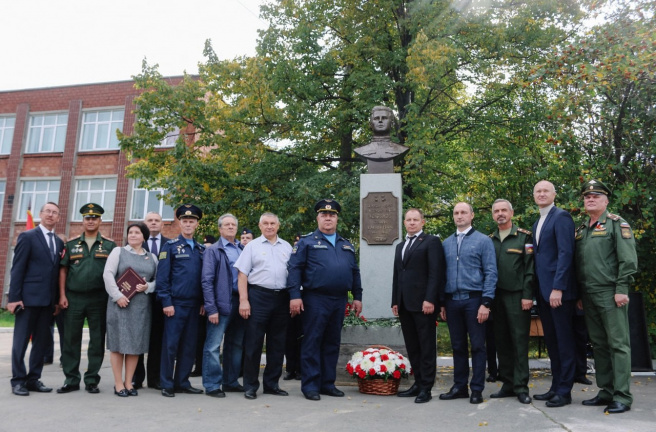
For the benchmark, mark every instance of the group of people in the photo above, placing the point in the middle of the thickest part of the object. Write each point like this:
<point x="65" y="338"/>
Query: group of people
<point x="245" y="290"/>
<point x="565" y="268"/>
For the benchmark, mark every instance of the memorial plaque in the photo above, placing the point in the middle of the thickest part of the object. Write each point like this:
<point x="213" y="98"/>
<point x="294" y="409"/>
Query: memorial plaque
<point x="380" y="218"/>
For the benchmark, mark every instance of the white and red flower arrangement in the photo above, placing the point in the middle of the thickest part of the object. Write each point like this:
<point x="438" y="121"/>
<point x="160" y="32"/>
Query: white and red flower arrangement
<point x="378" y="363"/>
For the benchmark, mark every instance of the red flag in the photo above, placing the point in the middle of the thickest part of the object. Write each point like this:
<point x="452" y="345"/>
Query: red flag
<point x="30" y="219"/>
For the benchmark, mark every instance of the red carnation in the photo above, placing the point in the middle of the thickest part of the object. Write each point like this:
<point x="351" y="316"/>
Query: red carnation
<point x="372" y="358"/>
<point x="396" y="374"/>
<point x="361" y="374"/>
<point x="402" y="366"/>
<point x="383" y="368"/>
<point x="372" y="371"/>
<point x="384" y="357"/>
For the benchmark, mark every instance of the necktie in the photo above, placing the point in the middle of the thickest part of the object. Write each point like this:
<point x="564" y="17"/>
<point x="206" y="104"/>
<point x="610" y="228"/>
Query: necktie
<point x="51" y="245"/>
<point x="460" y="236"/>
<point x="153" y="246"/>
<point x="408" y="245"/>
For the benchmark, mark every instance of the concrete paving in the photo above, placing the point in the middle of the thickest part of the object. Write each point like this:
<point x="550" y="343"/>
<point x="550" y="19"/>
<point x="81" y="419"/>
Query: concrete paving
<point x="80" y="411"/>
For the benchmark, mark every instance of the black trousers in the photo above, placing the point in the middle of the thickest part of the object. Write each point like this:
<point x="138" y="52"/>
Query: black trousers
<point x="420" y="335"/>
<point x="269" y="316"/>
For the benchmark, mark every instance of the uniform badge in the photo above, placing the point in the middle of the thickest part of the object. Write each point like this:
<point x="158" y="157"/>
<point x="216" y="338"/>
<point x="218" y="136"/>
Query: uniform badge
<point x="626" y="232"/>
<point x="528" y="249"/>
<point x="162" y="256"/>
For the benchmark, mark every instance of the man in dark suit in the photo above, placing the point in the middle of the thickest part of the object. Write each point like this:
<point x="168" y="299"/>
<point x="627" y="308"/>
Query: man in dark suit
<point x="32" y="297"/>
<point x="554" y="269"/>
<point x="153" y="244"/>
<point x="419" y="272"/>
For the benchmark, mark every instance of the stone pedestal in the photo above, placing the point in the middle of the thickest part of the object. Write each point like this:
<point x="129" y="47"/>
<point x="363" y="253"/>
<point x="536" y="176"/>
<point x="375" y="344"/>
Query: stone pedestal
<point x="377" y="260"/>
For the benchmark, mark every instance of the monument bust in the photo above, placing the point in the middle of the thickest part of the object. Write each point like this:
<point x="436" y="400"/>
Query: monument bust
<point x="381" y="151"/>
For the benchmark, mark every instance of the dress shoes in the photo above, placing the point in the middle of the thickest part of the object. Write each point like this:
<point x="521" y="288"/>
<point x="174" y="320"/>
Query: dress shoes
<point x="595" y="401"/>
<point x="334" y="392"/>
<point x="20" y="390"/>
<point x="277" y="391"/>
<point x="190" y="390"/>
<point x="67" y="388"/>
<point x="133" y="391"/>
<point x="476" y="397"/>
<point x="558" y="401"/>
<point x="218" y="393"/>
<point x="492" y="378"/>
<point x="412" y="391"/>
<point x="289" y="376"/>
<point x="250" y="394"/>
<point x="312" y="395"/>
<point x="236" y="389"/>
<point x="92" y="388"/>
<point x="121" y="393"/>
<point x="583" y="380"/>
<point x="423" y="396"/>
<point x="524" y="398"/>
<point x="502" y="394"/>
<point x="455" y="393"/>
<point x="168" y="392"/>
<point x="38" y="387"/>
<point x="616" y="408"/>
<point x="544" y="396"/>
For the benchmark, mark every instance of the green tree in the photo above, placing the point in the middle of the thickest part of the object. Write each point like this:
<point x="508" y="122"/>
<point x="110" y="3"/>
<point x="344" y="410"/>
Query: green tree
<point x="605" y="85"/>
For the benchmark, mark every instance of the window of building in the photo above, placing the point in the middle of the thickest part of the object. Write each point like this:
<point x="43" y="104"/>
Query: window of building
<point x="6" y="133"/>
<point x="3" y="184"/>
<point x="145" y="201"/>
<point x="46" y="133"/>
<point x="99" y="129"/>
<point x="170" y="139"/>
<point x="34" y="194"/>
<point x="95" y="190"/>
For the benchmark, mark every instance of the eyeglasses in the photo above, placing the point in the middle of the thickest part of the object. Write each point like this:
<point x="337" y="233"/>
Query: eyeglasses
<point x="50" y="212"/>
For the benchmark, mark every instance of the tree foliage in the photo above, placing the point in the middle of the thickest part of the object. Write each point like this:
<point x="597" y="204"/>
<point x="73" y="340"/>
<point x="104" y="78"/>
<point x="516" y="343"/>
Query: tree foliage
<point x="491" y="95"/>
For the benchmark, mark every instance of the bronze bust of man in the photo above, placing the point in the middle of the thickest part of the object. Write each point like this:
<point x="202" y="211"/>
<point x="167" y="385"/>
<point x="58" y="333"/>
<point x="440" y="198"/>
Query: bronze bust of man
<point x="381" y="151"/>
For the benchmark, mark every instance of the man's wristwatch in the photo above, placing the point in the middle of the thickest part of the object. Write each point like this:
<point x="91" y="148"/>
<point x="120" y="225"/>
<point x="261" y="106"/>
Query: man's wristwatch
<point x="487" y="304"/>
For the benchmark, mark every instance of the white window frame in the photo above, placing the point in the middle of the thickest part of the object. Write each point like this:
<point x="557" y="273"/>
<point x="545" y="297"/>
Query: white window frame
<point x="36" y="198"/>
<point x="48" y="138"/>
<point x="145" y="207"/>
<point x="90" y="194"/>
<point x="91" y="125"/>
<point x="6" y="133"/>
<point x="3" y="188"/>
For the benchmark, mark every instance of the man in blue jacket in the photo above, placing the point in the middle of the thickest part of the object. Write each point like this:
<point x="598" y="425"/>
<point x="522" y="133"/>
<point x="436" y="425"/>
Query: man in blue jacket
<point x="218" y="279"/>
<point x="179" y="291"/>
<point x="471" y="278"/>
<point x="554" y="236"/>
<point x="324" y="264"/>
<point x="32" y="298"/>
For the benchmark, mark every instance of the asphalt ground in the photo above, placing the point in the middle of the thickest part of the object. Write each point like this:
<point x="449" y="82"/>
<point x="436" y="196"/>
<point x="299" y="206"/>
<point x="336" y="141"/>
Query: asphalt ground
<point x="150" y="411"/>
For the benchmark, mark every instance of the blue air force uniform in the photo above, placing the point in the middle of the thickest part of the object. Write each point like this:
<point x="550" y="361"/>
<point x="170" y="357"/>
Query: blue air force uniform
<point x="178" y="285"/>
<point x="327" y="273"/>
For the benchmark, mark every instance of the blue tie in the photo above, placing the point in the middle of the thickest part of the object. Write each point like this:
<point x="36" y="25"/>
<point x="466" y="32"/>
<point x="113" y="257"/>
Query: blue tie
<point x="51" y="244"/>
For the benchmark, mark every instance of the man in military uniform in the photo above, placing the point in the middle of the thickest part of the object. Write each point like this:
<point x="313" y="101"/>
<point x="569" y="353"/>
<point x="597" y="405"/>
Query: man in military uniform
<point x="324" y="264"/>
<point x="179" y="290"/>
<point x="606" y="261"/>
<point x="512" y="302"/>
<point x="82" y="293"/>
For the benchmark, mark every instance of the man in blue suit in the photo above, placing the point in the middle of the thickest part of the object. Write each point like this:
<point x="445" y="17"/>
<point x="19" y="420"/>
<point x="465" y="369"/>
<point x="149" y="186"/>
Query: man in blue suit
<point x="554" y="269"/>
<point x="32" y="297"/>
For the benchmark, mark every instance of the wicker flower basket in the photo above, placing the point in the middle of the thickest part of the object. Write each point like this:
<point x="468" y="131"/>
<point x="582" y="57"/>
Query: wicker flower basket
<point x="379" y="386"/>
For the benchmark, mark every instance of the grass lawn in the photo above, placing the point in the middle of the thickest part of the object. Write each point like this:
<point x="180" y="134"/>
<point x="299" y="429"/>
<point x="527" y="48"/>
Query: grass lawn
<point x="6" y="319"/>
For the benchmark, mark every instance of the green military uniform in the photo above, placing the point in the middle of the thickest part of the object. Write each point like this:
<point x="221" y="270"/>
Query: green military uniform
<point x="87" y="298"/>
<point x="605" y="263"/>
<point x="511" y="323"/>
